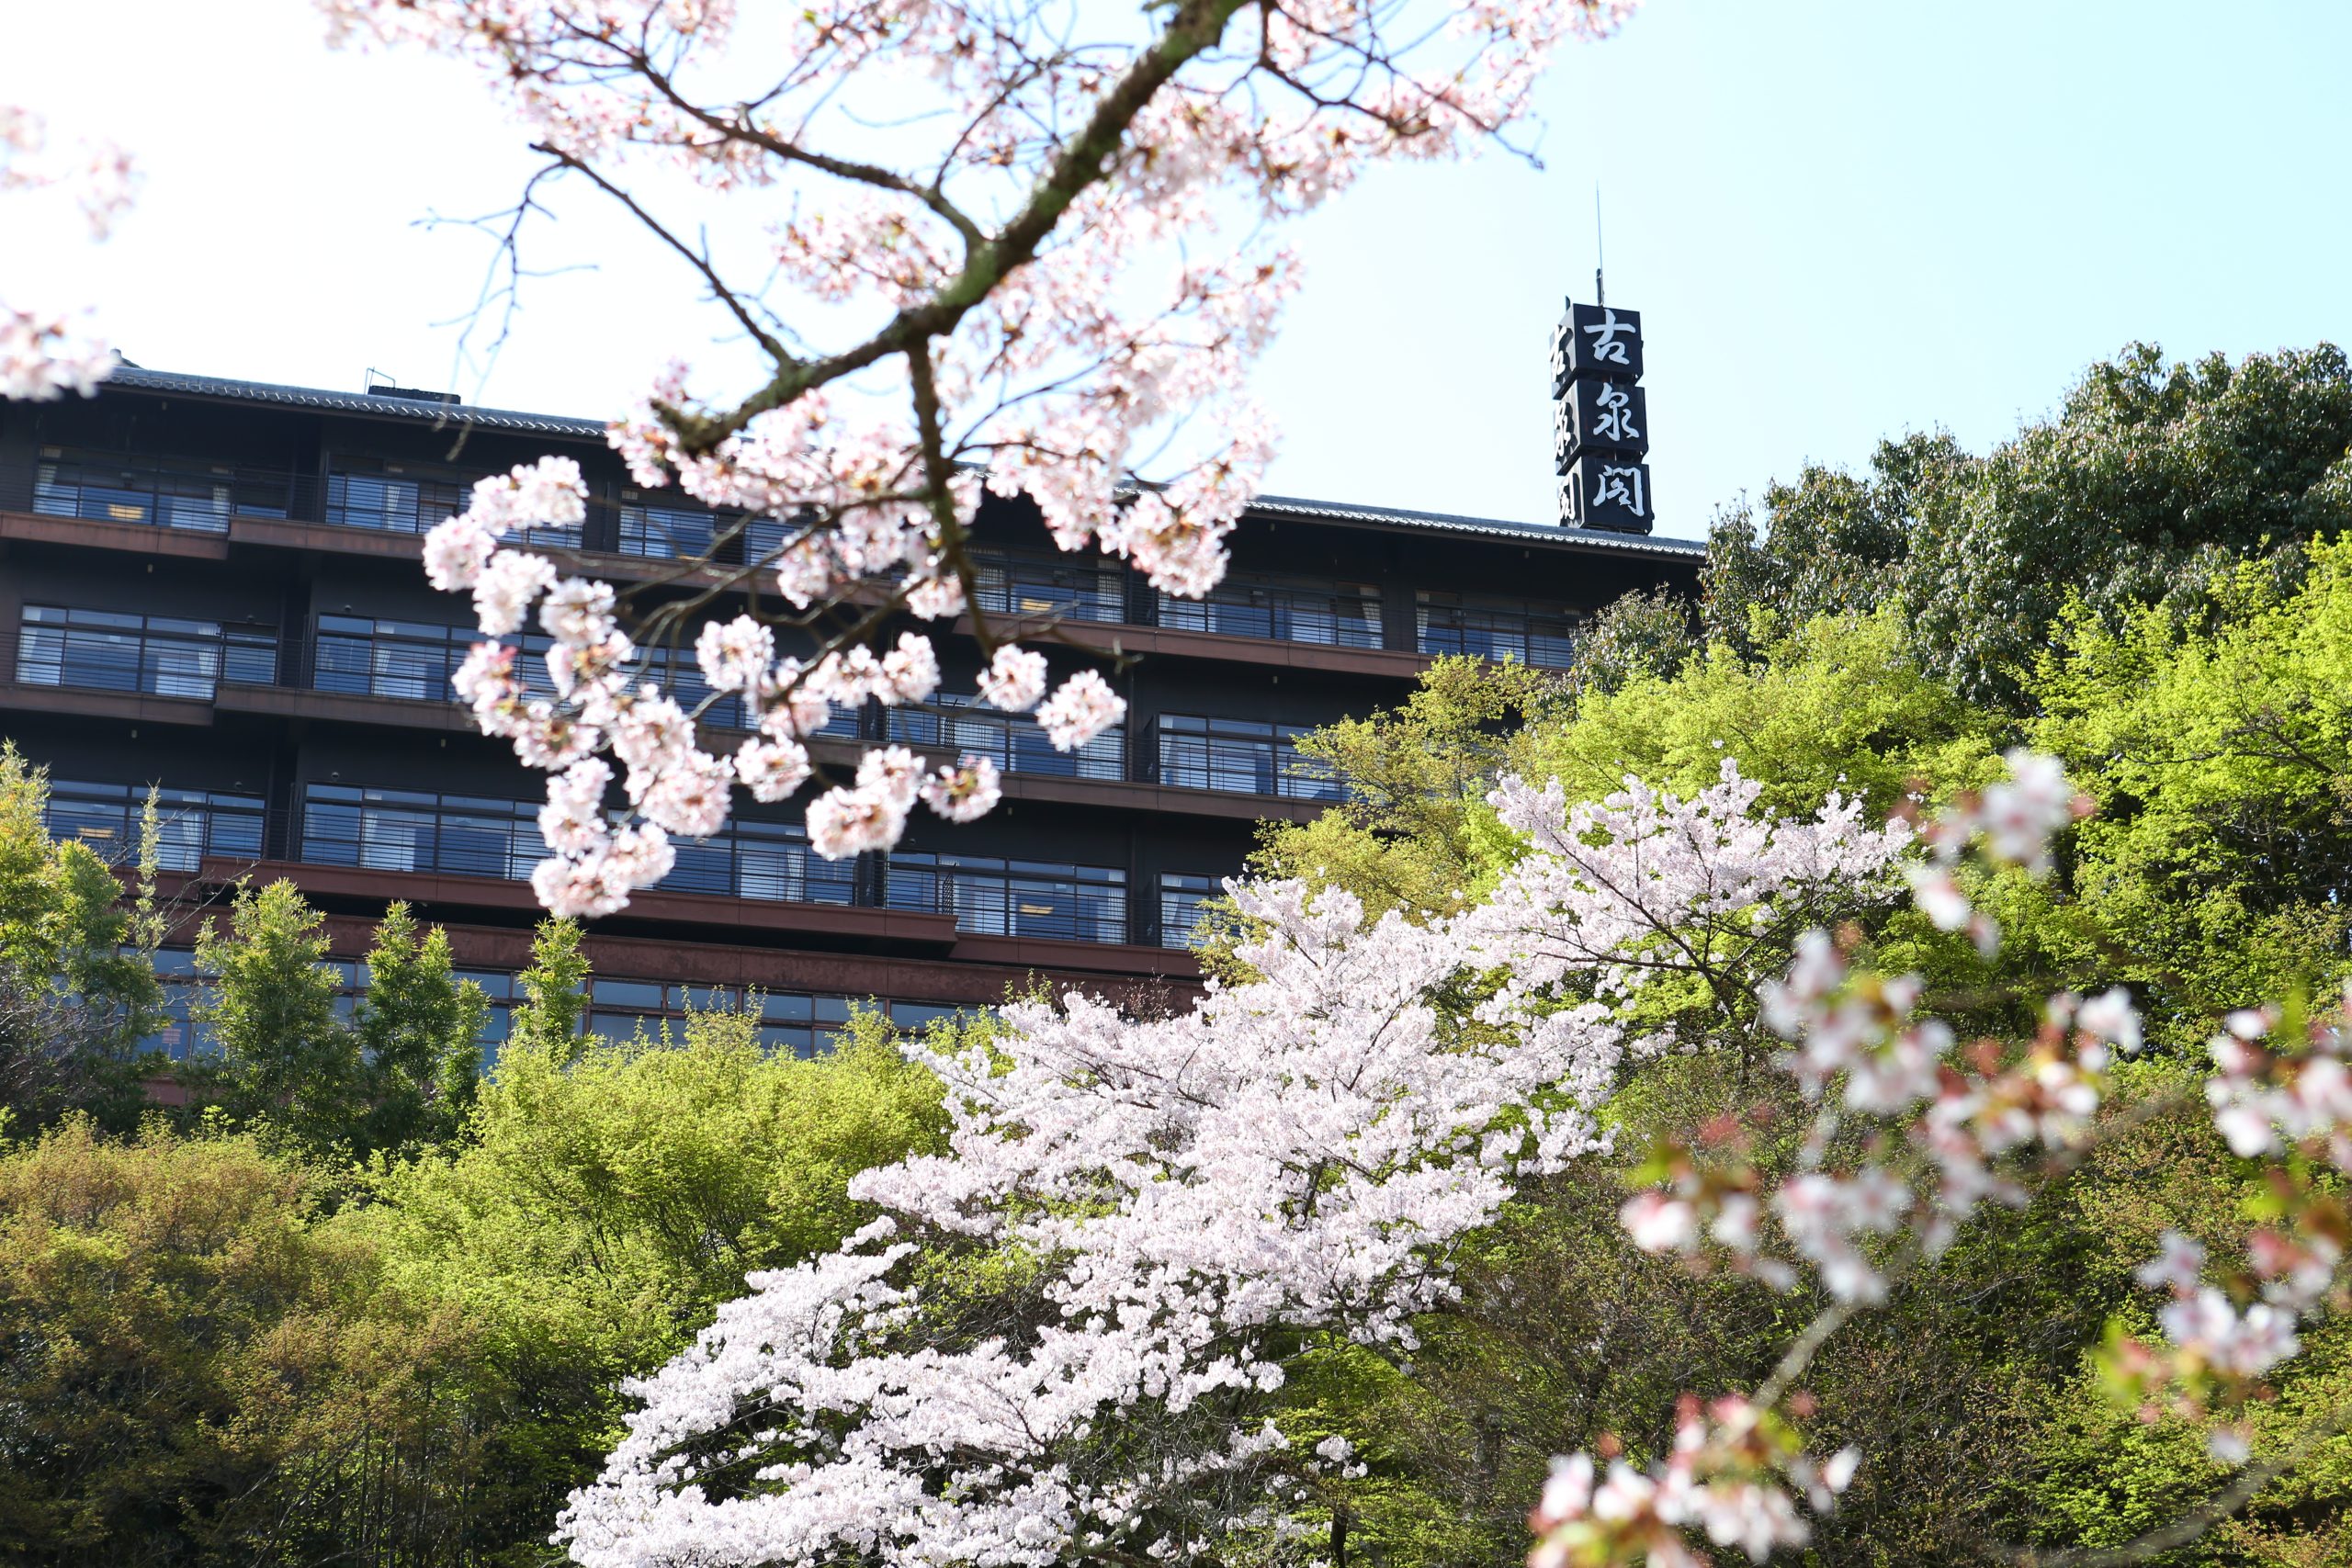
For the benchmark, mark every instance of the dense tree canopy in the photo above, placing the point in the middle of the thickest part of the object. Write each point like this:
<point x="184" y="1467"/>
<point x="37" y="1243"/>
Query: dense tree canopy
<point x="2154" y="482"/>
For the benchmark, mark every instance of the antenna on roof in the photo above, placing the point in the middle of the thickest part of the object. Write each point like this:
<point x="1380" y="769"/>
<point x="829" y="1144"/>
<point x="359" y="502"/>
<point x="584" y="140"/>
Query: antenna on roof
<point x="1599" y="255"/>
<point x="374" y="377"/>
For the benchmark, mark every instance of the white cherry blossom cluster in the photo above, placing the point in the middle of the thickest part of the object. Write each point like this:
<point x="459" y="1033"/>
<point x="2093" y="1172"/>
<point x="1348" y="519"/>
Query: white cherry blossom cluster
<point x="602" y="705"/>
<point x="1733" y="1474"/>
<point x="1297" y="1153"/>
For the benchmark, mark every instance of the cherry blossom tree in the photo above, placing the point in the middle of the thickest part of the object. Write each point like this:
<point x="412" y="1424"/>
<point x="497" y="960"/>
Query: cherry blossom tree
<point x="1912" y="1135"/>
<point x="1008" y="249"/>
<point x="1065" y="1338"/>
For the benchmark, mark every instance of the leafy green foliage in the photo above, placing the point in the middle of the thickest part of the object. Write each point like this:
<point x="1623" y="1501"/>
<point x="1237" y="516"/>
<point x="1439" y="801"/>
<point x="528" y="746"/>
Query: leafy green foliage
<point x="608" y="1196"/>
<point x="397" y="1077"/>
<point x="2223" y="765"/>
<point x="77" y="986"/>
<point x="199" y="1371"/>
<point x="2154" y="482"/>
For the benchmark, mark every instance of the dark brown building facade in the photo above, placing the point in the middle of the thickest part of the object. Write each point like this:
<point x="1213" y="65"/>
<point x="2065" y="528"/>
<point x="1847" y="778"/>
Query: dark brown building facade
<point x="211" y="587"/>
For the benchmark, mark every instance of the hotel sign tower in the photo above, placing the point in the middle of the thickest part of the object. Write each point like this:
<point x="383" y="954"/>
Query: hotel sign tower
<point x="1601" y="419"/>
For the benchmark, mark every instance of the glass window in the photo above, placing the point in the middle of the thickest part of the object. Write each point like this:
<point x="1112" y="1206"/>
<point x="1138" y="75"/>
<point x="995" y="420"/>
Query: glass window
<point x="190" y="824"/>
<point x="162" y="492"/>
<point x="1072" y="588"/>
<point x="1241" y="755"/>
<point x="1013" y="742"/>
<point x="108" y="650"/>
<point x="1182" y="893"/>
<point x="1499" y="629"/>
<point x="1013" y="898"/>
<point x="1341" y="614"/>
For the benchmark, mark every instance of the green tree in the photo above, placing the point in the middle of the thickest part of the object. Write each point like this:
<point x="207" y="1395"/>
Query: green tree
<point x="555" y="994"/>
<point x="418" y="1031"/>
<point x="2221" y="858"/>
<point x="198" y="1370"/>
<point x="2152" y="482"/>
<point x="610" y="1195"/>
<point x="1638" y="634"/>
<point x="77" y="982"/>
<point x="268" y="1009"/>
<point x="401" y="1075"/>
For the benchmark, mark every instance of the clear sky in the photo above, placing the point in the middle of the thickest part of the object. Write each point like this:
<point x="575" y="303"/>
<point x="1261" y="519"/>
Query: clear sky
<point x="1840" y="220"/>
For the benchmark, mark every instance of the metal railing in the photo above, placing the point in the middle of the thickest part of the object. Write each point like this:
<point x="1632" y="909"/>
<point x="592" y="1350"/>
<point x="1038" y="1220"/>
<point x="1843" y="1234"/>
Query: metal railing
<point x="1011" y="898"/>
<point x="1077" y="590"/>
<point x="1502" y="630"/>
<point x="190" y="495"/>
<point x="190" y="824"/>
<point x="1347" y="616"/>
<point x="387" y="829"/>
<point x="1239" y="755"/>
<point x="109" y="651"/>
<point x="1012" y="741"/>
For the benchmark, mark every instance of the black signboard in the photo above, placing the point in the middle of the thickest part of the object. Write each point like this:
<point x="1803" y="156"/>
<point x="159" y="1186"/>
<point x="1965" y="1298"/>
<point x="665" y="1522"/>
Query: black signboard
<point x="1601" y="419"/>
<point x="1599" y="416"/>
<point x="1609" y="492"/>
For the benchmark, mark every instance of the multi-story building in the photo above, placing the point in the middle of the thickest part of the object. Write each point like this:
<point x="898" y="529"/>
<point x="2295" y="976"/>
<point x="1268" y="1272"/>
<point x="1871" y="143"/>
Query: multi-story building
<point x="211" y="587"/>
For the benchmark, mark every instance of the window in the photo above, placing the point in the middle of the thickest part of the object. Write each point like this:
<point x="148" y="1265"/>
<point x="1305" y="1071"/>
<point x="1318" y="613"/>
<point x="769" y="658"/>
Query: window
<point x="768" y="860"/>
<point x="666" y="533"/>
<point x="1239" y="755"/>
<point x="190" y="824"/>
<point x="108" y="651"/>
<point x="1012" y="741"/>
<point x="392" y="497"/>
<point x="1181" y="898"/>
<point x="1077" y="589"/>
<point x="415" y="659"/>
<point x="388" y="830"/>
<point x="1013" y="898"/>
<point x="410" y="498"/>
<point x="1340" y="614"/>
<point x="1501" y="629"/>
<point x="162" y="492"/>
<point x="366" y="656"/>
<point x="789" y="1021"/>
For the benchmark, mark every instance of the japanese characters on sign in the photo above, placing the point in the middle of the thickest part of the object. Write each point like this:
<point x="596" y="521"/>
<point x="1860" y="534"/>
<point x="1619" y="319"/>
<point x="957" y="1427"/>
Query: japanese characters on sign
<point x="1601" y="419"/>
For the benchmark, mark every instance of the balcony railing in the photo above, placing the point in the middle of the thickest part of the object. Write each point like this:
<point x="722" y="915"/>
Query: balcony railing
<point x="1505" y="630"/>
<point x="109" y="651"/>
<point x="1012" y="741"/>
<point x="162" y="492"/>
<point x="1070" y="590"/>
<point x="190" y="824"/>
<point x="1011" y="898"/>
<point x="1336" y="615"/>
<point x="376" y="657"/>
<point x="385" y="829"/>
<point x="1239" y="755"/>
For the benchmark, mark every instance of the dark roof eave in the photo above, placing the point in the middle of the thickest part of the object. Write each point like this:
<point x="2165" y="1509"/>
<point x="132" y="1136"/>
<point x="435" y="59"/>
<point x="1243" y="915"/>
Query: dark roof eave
<point x="407" y="411"/>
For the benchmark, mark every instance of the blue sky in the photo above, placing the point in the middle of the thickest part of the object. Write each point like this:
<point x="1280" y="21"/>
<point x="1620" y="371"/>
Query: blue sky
<point x="1839" y="222"/>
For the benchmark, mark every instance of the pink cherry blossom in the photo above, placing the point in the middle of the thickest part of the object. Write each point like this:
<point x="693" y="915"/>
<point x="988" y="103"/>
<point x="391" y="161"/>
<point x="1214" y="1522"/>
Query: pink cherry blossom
<point x="965" y="792"/>
<point x="1014" y="680"/>
<point x="1081" y="708"/>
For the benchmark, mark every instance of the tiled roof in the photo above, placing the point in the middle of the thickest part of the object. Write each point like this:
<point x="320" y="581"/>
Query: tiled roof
<point x="417" y="410"/>
<point x="1280" y="507"/>
<point x="1276" y="508"/>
